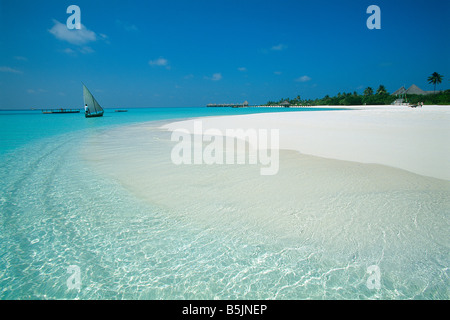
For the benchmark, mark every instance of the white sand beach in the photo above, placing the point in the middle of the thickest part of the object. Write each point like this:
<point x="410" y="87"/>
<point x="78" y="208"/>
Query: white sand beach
<point x="413" y="139"/>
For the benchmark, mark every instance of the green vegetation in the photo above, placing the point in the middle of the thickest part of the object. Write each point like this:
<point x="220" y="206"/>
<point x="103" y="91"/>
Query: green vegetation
<point x="381" y="97"/>
<point x="435" y="79"/>
<point x="441" y="98"/>
<point x="344" y="99"/>
<point x="368" y="91"/>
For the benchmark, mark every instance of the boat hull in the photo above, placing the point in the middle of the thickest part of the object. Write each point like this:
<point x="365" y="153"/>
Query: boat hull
<point x="94" y="115"/>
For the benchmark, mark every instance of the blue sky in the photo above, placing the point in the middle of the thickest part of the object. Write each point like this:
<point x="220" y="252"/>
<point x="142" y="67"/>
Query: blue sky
<point x="190" y="53"/>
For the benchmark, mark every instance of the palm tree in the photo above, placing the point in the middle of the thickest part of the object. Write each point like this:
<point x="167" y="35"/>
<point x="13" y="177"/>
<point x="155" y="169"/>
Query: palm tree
<point x="381" y="90"/>
<point x="368" y="91"/>
<point x="435" y="78"/>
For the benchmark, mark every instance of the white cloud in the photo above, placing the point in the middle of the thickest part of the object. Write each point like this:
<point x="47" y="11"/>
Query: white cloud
<point x="20" y="58"/>
<point x="10" y="70"/>
<point x="242" y="69"/>
<point x="69" y="51"/>
<point x="303" y="79"/>
<point x="32" y="91"/>
<point x="277" y="72"/>
<point x="215" y="77"/>
<point x="160" y="62"/>
<point x="126" y="26"/>
<point x="279" y="47"/>
<point x="104" y="37"/>
<point x="85" y="50"/>
<point x="82" y="50"/>
<point x="74" y="36"/>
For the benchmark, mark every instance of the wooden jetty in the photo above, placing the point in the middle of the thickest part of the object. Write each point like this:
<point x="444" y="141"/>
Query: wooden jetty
<point x="59" y="111"/>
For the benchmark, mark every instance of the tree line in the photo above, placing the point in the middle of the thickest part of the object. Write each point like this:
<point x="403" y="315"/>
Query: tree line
<point x="381" y="96"/>
<point x="370" y="97"/>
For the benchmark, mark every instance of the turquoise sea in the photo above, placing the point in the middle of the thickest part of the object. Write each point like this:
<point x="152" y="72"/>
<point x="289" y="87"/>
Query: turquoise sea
<point x="19" y="127"/>
<point x="87" y="213"/>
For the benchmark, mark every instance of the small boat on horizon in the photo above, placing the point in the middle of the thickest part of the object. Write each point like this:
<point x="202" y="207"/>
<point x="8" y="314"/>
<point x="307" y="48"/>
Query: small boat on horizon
<point x="120" y="110"/>
<point x="59" y="111"/>
<point x="93" y="108"/>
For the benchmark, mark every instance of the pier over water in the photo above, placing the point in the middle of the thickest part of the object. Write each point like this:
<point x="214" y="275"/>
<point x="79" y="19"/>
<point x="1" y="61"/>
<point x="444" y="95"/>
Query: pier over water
<point x="232" y="105"/>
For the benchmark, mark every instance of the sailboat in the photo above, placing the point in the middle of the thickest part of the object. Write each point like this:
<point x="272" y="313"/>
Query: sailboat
<point x="94" y="109"/>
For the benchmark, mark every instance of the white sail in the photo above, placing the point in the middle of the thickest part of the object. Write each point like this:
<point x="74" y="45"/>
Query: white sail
<point x="89" y="100"/>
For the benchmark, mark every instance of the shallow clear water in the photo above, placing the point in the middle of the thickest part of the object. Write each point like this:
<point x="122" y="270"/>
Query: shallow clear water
<point x="108" y="200"/>
<point x="20" y="127"/>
